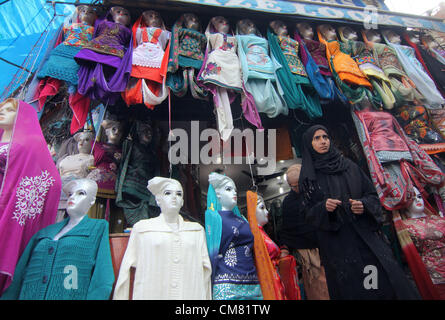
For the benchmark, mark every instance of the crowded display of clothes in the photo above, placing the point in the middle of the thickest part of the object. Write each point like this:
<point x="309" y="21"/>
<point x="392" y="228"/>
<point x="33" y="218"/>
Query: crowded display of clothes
<point x="88" y="181"/>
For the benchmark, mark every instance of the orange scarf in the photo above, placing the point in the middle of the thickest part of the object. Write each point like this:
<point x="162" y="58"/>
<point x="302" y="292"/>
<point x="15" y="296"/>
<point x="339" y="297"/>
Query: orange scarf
<point x="266" y="272"/>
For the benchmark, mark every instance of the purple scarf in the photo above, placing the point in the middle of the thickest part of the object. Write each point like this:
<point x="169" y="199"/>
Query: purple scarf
<point x="29" y="193"/>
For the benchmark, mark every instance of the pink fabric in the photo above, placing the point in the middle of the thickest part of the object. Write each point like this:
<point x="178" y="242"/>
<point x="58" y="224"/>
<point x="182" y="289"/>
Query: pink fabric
<point x="47" y="87"/>
<point x="29" y="193"/>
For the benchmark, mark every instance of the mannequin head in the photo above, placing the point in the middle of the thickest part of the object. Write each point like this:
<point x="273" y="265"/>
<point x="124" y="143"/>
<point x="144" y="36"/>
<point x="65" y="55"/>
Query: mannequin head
<point x="429" y="41"/>
<point x="191" y="21"/>
<point x="328" y="32"/>
<point x="114" y="130"/>
<point x="417" y="207"/>
<point x="152" y="18"/>
<point x="373" y="36"/>
<point x="81" y="196"/>
<point x="392" y="36"/>
<point x="348" y="33"/>
<point x="293" y="176"/>
<point x="144" y="132"/>
<point x="305" y="30"/>
<point x="168" y="193"/>
<point x="279" y="28"/>
<point x="121" y="15"/>
<point x="225" y="190"/>
<point x="262" y="215"/>
<point x="220" y="24"/>
<point x="87" y="14"/>
<point x="414" y="37"/>
<point x="246" y="26"/>
<point x="8" y="112"/>
<point x="84" y="141"/>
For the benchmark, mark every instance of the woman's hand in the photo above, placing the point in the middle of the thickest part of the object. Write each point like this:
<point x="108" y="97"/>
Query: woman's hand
<point x="357" y="206"/>
<point x="331" y="204"/>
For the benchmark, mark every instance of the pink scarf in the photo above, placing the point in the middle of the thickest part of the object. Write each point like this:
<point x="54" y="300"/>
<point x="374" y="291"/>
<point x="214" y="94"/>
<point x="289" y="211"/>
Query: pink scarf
<point x="29" y="193"/>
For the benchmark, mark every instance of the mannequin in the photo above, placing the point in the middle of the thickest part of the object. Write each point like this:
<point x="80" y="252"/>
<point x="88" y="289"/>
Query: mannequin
<point x="29" y="183"/>
<point x="298" y="90"/>
<point x="258" y="70"/>
<point x="150" y="53"/>
<point x="402" y="86"/>
<point x="368" y="65"/>
<point x="221" y="74"/>
<point x="60" y="64"/>
<point x="430" y="44"/>
<point x="262" y="217"/>
<point x="348" y="76"/>
<point x="107" y="156"/>
<point x="86" y="252"/>
<point x="76" y="166"/>
<point x="186" y="56"/>
<point x="428" y="235"/>
<point x="414" y="70"/>
<point x="105" y="61"/>
<point x="313" y="56"/>
<point x="230" y="243"/>
<point x="139" y="163"/>
<point x="169" y="254"/>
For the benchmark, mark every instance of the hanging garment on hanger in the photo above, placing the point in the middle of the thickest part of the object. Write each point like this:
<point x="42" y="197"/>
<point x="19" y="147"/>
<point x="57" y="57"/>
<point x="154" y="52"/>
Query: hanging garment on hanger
<point x="298" y="92"/>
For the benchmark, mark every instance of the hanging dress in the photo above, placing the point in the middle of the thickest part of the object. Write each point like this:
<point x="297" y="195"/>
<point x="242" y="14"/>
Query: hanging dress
<point x="348" y="76"/>
<point x="363" y="55"/>
<point x="298" y="91"/>
<point x="148" y="74"/>
<point x="415" y="71"/>
<point x="221" y="74"/>
<point x="259" y="75"/>
<point x="105" y="62"/>
<point x="186" y="57"/>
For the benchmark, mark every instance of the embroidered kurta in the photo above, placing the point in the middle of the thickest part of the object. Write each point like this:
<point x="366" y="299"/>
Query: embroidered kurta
<point x="259" y="74"/>
<point x="47" y="268"/>
<point x="61" y="64"/>
<point x="222" y="66"/>
<point x="235" y="274"/>
<point x="169" y="264"/>
<point x="428" y="235"/>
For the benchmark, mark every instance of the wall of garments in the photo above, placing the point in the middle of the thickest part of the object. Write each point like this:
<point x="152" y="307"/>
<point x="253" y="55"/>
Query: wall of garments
<point x="87" y="179"/>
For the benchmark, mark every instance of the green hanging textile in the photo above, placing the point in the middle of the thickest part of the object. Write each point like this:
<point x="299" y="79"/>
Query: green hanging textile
<point x="298" y="92"/>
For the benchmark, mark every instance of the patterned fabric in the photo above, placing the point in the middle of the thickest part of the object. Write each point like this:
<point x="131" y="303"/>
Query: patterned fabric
<point x="230" y="291"/>
<point x="290" y="50"/>
<point x="110" y="39"/>
<point x="192" y="44"/>
<point x="415" y="122"/>
<point x="235" y="265"/>
<point x="78" y="34"/>
<point x="151" y="45"/>
<point x="428" y="235"/>
<point x="318" y="53"/>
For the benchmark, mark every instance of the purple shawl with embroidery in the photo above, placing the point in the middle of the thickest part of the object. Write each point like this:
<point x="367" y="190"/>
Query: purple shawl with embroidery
<point x="29" y="192"/>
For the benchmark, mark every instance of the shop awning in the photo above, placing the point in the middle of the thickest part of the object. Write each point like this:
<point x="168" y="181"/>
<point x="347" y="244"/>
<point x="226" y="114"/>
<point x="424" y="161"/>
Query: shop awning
<point x="329" y="10"/>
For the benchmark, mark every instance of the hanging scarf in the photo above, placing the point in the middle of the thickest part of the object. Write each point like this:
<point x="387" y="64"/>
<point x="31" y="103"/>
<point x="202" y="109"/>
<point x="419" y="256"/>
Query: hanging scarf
<point x="267" y="275"/>
<point x="30" y="190"/>
<point x="423" y="82"/>
<point x="291" y="84"/>
<point x="331" y="162"/>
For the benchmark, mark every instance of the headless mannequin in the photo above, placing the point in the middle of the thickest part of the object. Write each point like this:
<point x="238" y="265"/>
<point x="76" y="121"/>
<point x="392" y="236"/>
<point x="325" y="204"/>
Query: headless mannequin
<point x="82" y="196"/>
<point x="305" y="30"/>
<point x="8" y="112"/>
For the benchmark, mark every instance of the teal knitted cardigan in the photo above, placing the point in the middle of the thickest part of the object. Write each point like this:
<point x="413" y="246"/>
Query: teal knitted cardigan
<point x="78" y="266"/>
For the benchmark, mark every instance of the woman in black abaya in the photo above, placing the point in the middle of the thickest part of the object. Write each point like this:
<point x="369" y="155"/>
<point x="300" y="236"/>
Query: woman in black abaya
<point x="342" y="204"/>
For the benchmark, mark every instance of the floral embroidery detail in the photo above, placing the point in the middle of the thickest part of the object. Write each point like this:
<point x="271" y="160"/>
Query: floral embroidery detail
<point x="227" y="46"/>
<point x="4" y="150"/>
<point x="235" y="231"/>
<point x="31" y="195"/>
<point x="247" y="251"/>
<point x="230" y="258"/>
<point x="212" y="68"/>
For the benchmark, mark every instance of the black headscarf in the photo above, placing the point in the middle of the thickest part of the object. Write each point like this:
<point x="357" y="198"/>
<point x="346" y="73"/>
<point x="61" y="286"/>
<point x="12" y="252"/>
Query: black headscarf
<point x="331" y="162"/>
